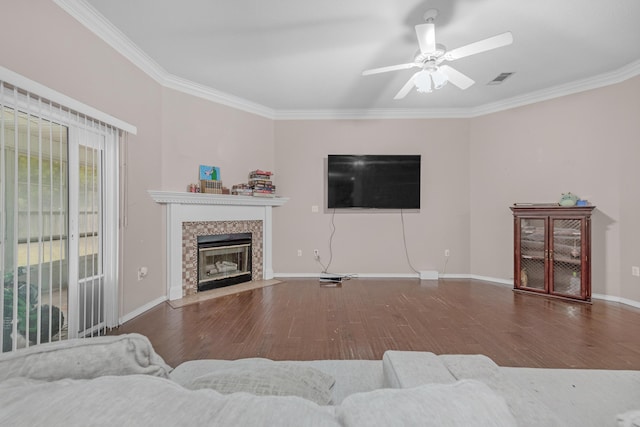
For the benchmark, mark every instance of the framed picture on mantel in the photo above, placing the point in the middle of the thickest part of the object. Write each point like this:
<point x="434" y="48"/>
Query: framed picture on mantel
<point x="209" y="173"/>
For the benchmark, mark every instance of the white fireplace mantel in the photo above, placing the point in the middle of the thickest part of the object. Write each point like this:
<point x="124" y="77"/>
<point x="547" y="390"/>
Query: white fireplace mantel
<point x="186" y="207"/>
<point x="185" y="198"/>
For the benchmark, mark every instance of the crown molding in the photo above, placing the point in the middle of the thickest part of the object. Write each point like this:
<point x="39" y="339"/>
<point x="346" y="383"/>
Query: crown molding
<point x="373" y="114"/>
<point x="93" y="20"/>
<point x="88" y="16"/>
<point x="210" y="94"/>
<point x="606" y="79"/>
<point x="595" y="82"/>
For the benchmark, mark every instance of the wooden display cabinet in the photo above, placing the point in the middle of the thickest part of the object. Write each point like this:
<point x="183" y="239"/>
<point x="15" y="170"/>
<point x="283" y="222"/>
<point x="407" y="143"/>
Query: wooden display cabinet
<point x="552" y="250"/>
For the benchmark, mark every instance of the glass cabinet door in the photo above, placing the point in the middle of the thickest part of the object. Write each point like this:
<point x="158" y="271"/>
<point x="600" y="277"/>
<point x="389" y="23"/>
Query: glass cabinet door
<point x="533" y="253"/>
<point x="566" y="255"/>
<point x="552" y="250"/>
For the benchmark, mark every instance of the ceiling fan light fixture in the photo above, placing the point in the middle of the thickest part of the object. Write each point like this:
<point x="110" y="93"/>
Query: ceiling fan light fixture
<point x="439" y="79"/>
<point x="422" y="81"/>
<point x="434" y="75"/>
<point x="428" y="80"/>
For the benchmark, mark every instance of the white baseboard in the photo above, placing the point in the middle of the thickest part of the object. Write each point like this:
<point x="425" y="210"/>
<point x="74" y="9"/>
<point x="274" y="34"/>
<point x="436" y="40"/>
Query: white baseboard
<point x="365" y="275"/>
<point x="302" y="275"/>
<point x="494" y="280"/>
<point x="175" y="292"/>
<point x="610" y="298"/>
<point x="432" y="274"/>
<point x="497" y="281"/>
<point x="421" y="275"/>
<point x="138" y="311"/>
<point x="503" y="282"/>
<point x="603" y="297"/>
<point x="456" y="276"/>
<point x="428" y="275"/>
<point x="387" y="276"/>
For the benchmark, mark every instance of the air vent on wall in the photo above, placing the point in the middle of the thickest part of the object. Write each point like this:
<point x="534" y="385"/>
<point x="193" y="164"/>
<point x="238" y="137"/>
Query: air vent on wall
<point x="501" y="78"/>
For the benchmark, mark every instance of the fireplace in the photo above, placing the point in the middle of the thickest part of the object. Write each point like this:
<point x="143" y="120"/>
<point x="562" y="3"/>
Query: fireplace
<point x="223" y="260"/>
<point x="190" y="215"/>
<point x="215" y="233"/>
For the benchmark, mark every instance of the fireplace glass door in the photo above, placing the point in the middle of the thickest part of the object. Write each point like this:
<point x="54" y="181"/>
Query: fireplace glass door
<point x="223" y="262"/>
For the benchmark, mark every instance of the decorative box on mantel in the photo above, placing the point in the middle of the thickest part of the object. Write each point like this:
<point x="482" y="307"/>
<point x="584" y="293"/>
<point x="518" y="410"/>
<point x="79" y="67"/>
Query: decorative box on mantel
<point x="183" y="207"/>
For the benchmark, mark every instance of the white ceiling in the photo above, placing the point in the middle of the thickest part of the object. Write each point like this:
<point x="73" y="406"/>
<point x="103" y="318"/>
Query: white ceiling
<point x="301" y="57"/>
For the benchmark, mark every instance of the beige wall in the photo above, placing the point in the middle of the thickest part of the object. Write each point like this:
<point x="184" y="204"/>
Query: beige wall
<point x="585" y="143"/>
<point x="176" y="132"/>
<point x="199" y="132"/>
<point x="55" y="50"/>
<point x="628" y="184"/>
<point x="473" y="169"/>
<point x="372" y="242"/>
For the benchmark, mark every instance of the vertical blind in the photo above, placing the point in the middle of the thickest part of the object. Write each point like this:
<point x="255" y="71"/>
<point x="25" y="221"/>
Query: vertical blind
<point x="58" y="221"/>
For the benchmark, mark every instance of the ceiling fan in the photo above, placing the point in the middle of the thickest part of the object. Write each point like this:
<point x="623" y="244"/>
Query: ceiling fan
<point x="432" y="74"/>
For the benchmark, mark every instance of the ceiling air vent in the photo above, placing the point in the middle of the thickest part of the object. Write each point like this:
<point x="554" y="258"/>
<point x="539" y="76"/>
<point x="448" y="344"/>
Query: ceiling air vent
<point x="500" y="78"/>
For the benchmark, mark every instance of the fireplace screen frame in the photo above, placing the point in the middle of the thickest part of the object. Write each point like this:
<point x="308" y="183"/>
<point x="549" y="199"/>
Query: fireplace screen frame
<point x="207" y="243"/>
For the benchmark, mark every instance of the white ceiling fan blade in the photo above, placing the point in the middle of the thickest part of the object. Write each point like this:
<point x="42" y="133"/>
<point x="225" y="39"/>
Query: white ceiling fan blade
<point x="389" y="68"/>
<point x="494" y="42"/>
<point x="406" y="88"/>
<point x="426" y="37"/>
<point x="456" y="77"/>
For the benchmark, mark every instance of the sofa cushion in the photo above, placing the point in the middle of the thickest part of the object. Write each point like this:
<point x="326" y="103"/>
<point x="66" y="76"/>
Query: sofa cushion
<point x="629" y="419"/>
<point x="354" y="375"/>
<point x="404" y="369"/>
<point x="85" y="358"/>
<point x="409" y="369"/>
<point x="186" y="372"/>
<point x="522" y="401"/>
<point x="469" y="365"/>
<point x="464" y="403"/>
<point x="142" y="400"/>
<point x="270" y="379"/>
<point x="584" y="397"/>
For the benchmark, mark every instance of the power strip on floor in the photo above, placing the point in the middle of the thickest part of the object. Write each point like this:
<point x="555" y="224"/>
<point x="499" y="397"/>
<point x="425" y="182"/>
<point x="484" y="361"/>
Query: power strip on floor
<point x="331" y="279"/>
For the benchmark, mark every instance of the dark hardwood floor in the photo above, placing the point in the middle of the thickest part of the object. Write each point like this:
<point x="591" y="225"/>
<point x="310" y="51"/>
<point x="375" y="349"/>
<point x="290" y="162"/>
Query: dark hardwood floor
<point x="300" y="320"/>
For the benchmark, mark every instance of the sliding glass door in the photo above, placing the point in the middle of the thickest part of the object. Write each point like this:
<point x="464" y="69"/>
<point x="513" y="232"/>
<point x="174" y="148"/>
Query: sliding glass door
<point x="35" y="246"/>
<point x="86" y="203"/>
<point x="58" y="222"/>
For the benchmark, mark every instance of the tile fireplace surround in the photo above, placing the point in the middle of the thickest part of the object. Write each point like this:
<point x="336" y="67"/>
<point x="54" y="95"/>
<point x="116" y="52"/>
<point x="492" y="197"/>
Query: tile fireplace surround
<point x="191" y="214"/>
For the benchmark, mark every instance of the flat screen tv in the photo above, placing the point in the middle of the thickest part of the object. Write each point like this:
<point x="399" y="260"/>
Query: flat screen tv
<point x="373" y="181"/>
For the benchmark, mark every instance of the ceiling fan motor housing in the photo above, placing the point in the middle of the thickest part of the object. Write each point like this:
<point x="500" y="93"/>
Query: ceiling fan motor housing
<point x="430" y="15"/>
<point x="430" y="56"/>
<point x="422" y="58"/>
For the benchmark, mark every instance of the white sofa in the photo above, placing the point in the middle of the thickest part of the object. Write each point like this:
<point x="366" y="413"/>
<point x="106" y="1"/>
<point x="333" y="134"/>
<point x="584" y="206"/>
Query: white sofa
<point x="120" y="380"/>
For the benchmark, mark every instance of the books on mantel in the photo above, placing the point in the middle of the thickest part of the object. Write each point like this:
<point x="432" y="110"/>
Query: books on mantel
<point x="242" y="190"/>
<point x="259" y="185"/>
<point x="260" y="182"/>
<point x="260" y="174"/>
<point x="262" y="194"/>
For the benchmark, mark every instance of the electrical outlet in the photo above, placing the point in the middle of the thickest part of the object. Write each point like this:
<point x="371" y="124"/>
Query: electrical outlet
<point x="316" y="253"/>
<point x="447" y="252"/>
<point x="299" y="252"/>
<point x="142" y="273"/>
<point x="635" y="271"/>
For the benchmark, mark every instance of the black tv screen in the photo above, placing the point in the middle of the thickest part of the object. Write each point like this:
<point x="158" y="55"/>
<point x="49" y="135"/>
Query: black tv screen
<point x="373" y="181"/>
